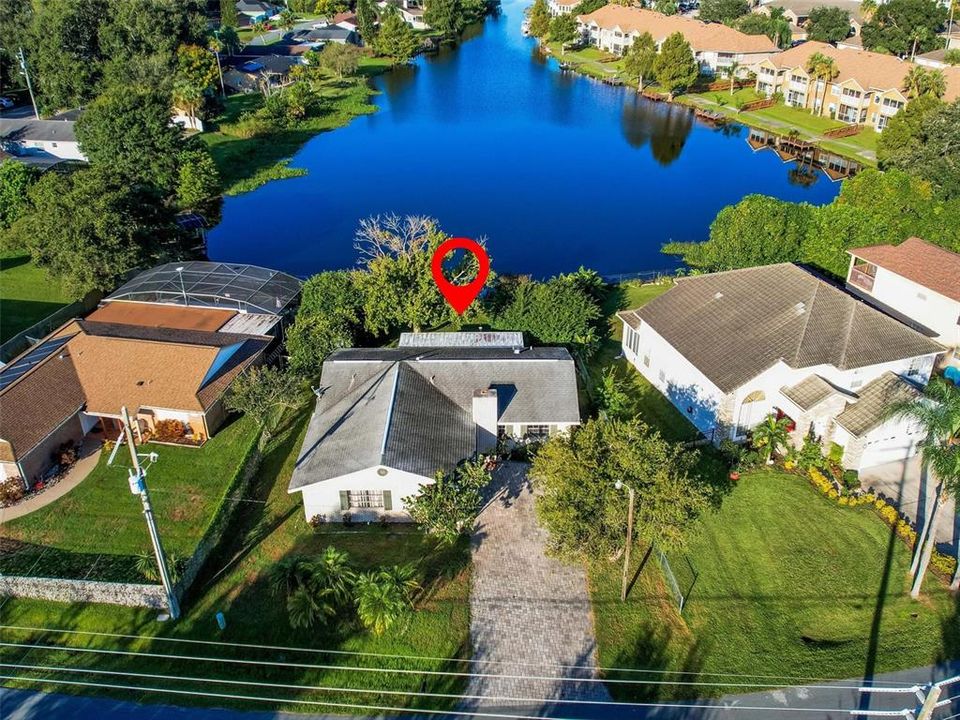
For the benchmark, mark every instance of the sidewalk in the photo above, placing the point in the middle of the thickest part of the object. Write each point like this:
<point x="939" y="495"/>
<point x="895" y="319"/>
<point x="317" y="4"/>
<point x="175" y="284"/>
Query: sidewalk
<point x="90" y="456"/>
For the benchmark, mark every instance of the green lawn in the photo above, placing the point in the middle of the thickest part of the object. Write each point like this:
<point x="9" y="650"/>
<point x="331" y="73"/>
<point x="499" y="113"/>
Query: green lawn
<point x="649" y="403"/>
<point x="247" y="163"/>
<point x="798" y="118"/>
<point x="784" y="582"/>
<point x="267" y="528"/>
<point x="98" y="526"/>
<point x="27" y="295"/>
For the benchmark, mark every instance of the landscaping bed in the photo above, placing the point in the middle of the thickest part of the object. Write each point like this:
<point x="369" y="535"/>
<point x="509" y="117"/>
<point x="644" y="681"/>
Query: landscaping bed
<point x="235" y="581"/>
<point x="97" y="530"/>
<point x="782" y="575"/>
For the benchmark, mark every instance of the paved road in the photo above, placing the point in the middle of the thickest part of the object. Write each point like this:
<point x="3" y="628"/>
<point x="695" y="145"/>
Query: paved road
<point x="529" y="614"/>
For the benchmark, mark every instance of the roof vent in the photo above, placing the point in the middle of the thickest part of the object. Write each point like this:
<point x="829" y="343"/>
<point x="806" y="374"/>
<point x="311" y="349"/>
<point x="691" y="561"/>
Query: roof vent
<point x="517" y="350"/>
<point x="800" y="308"/>
<point x="718" y="295"/>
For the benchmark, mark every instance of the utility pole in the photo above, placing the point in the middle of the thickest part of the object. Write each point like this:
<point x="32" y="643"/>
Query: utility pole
<point x="626" y="550"/>
<point x="26" y="73"/>
<point x="138" y="486"/>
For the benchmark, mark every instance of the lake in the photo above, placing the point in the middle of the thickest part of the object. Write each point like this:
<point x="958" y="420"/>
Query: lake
<point x="554" y="169"/>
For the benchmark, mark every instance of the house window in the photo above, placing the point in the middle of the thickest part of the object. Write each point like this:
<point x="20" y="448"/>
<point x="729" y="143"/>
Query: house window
<point x="646" y="360"/>
<point x="365" y="499"/>
<point x="663" y="376"/>
<point x="538" y="431"/>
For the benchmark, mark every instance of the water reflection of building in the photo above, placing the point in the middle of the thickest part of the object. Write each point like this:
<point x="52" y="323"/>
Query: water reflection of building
<point x="664" y="125"/>
<point x="804" y="153"/>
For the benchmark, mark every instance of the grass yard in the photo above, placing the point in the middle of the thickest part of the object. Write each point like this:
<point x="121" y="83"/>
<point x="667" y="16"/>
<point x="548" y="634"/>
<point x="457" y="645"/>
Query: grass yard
<point x="247" y="163"/>
<point x="96" y="528"/>
<point x="798" y="118"/>
<point x="784" y="582"/>
<point x="649" y="403"/>
<point x="267" y="528"/>
<point x="26" y="294"/>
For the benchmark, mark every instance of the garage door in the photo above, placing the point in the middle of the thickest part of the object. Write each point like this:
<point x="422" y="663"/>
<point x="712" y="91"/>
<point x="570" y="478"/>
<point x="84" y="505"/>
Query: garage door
<point x="887" y="450"/>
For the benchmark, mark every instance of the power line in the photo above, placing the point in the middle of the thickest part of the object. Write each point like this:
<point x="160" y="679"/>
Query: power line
<point x="407" y="671"/>
<point x="679" y="706"/>
<point x="429" y="658"/>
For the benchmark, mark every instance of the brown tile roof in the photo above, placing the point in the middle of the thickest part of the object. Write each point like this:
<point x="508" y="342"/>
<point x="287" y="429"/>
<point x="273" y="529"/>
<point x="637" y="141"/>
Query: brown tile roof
<point x="161" y="316"/>
<point x="922" y="262"/>
<point x="701" y="36"/>
<point x="38" y="403"/>
<point x="869" y="69"/>
<point x="734" y="325"/>
<point x="871" y="408"/>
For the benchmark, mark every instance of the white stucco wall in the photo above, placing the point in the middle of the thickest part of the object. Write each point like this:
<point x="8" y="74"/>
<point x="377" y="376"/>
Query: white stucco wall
<point x="927" y="307"/>
<point x="675" y="376"/>
<point x="323" y="498"/>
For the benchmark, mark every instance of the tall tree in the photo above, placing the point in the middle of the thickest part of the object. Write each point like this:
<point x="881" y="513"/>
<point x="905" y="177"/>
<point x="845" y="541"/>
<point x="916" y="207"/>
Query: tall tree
<point x="445" y="16"/>
<point x="15" y="180"/>
<point x="578" y="502"/>
<point x="563" y="29"/>
<point x="342" y="59"/>
<point x="828" y="24"/>
<point x="396" y="40"/>
<point x="129" y="129"/>
<point x="198" y="180"/>
<point x="448" y="507"/>
<point x="640" y="58"/>
<point x="731" y="72"/>
<point x="904" y="26"/>
<point x="65" y="51"/>
<point x="822" y="68"/>
<point x="922" y="140"/>
<point x="367" y="22"/>
<point x="194" y="78"/>
<point x="228" y="13"/>
<point x="676" y="68"/>
<point x="937" y="413"/>
<point x="263" y="393"/>
<point x="539" y="19"/>
<point x="723" y="11"/>
<point x="90" y="228"/>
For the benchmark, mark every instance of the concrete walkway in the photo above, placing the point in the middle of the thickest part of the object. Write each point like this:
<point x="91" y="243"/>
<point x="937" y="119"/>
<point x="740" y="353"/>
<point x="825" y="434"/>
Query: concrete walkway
<point x="89" y="457"/>
<point x="529" y="614"/>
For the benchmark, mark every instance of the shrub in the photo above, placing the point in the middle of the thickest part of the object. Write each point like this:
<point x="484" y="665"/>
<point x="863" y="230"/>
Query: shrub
<point x="347" y="519"/>
<point x="851" y="479"/>
<point x="11" y="491"/>
<point x="317" y="520"/>
<point x="169" y="430"/>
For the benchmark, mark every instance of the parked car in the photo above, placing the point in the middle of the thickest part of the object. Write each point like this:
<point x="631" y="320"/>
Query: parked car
<point x="6" y="103"/>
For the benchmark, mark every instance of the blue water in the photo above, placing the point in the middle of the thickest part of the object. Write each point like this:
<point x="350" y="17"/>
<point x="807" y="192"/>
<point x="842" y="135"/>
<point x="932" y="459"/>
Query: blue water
<point x="554" y="169"/>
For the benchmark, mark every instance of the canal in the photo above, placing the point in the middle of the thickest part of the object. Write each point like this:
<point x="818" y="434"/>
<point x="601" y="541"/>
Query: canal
<point x="554" y="169"/>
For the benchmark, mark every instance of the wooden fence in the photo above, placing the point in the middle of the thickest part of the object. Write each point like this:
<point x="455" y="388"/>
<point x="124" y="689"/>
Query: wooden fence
<point x="758" y="104"/>
<point x="845" y="131"/>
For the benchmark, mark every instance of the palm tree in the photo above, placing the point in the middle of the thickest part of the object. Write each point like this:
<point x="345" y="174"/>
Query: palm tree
<point x="919" y="35"/>
<point x="867" y="9"/>
<point x="936" y="84"/>
<point x="731" y="72"/>
<point x="259" y="28"/>
<point x="316" y="588"/>
<point x="822" y="68"/>
<point x="770" y="435"/>
<point x="385" y="597"/>
<point x="915" y="81"/>
<point x="287" y="20"/>
<point x="937" y="412"/>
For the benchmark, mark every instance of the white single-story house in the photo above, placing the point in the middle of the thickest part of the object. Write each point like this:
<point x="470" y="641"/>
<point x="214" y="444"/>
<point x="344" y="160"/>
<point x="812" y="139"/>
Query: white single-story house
<point x="730" y="348"/>
<point x="256" y="10"/>
<point x="387" y="419"/>
<point x="40" y="139"/>
<point x="915" y="281"/>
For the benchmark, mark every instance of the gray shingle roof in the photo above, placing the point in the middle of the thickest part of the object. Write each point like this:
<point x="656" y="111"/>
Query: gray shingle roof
<point x="809" y="392"/>
<point x="734" y="325"/>
<point x="873" y="402"/>
<point x="26" y="129"/>
<point x="412" y="408"/>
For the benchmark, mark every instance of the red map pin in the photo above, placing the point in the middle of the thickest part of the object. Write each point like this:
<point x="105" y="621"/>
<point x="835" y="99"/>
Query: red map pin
<point x="460" y="296"/>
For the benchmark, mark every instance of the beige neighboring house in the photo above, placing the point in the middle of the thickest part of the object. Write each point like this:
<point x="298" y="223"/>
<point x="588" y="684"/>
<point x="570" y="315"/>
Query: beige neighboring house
<point x="868" y="88"/>
<point x="410" y="10"/>
<point x="614" y="27"/>
<point x="166" y="346"/>
<point x="730" y="348"/>
<point x="561" y="7"/>
<point x="915" y="281"/>
<point x="797" y="12"/>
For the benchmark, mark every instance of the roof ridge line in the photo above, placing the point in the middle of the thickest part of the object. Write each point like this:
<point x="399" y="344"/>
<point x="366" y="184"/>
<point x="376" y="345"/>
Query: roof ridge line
<point x="389" y="420"/>
<point x="806" y="321"/>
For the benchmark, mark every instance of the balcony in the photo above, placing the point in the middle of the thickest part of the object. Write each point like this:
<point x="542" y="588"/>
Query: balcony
<point x="860" y="279"/>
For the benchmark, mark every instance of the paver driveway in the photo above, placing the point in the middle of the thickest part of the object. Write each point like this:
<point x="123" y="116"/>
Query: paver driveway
<point x="530" y="614"/>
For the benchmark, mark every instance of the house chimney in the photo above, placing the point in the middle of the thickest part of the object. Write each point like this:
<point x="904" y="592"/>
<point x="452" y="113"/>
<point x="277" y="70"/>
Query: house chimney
<point x="485" y="415"/>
